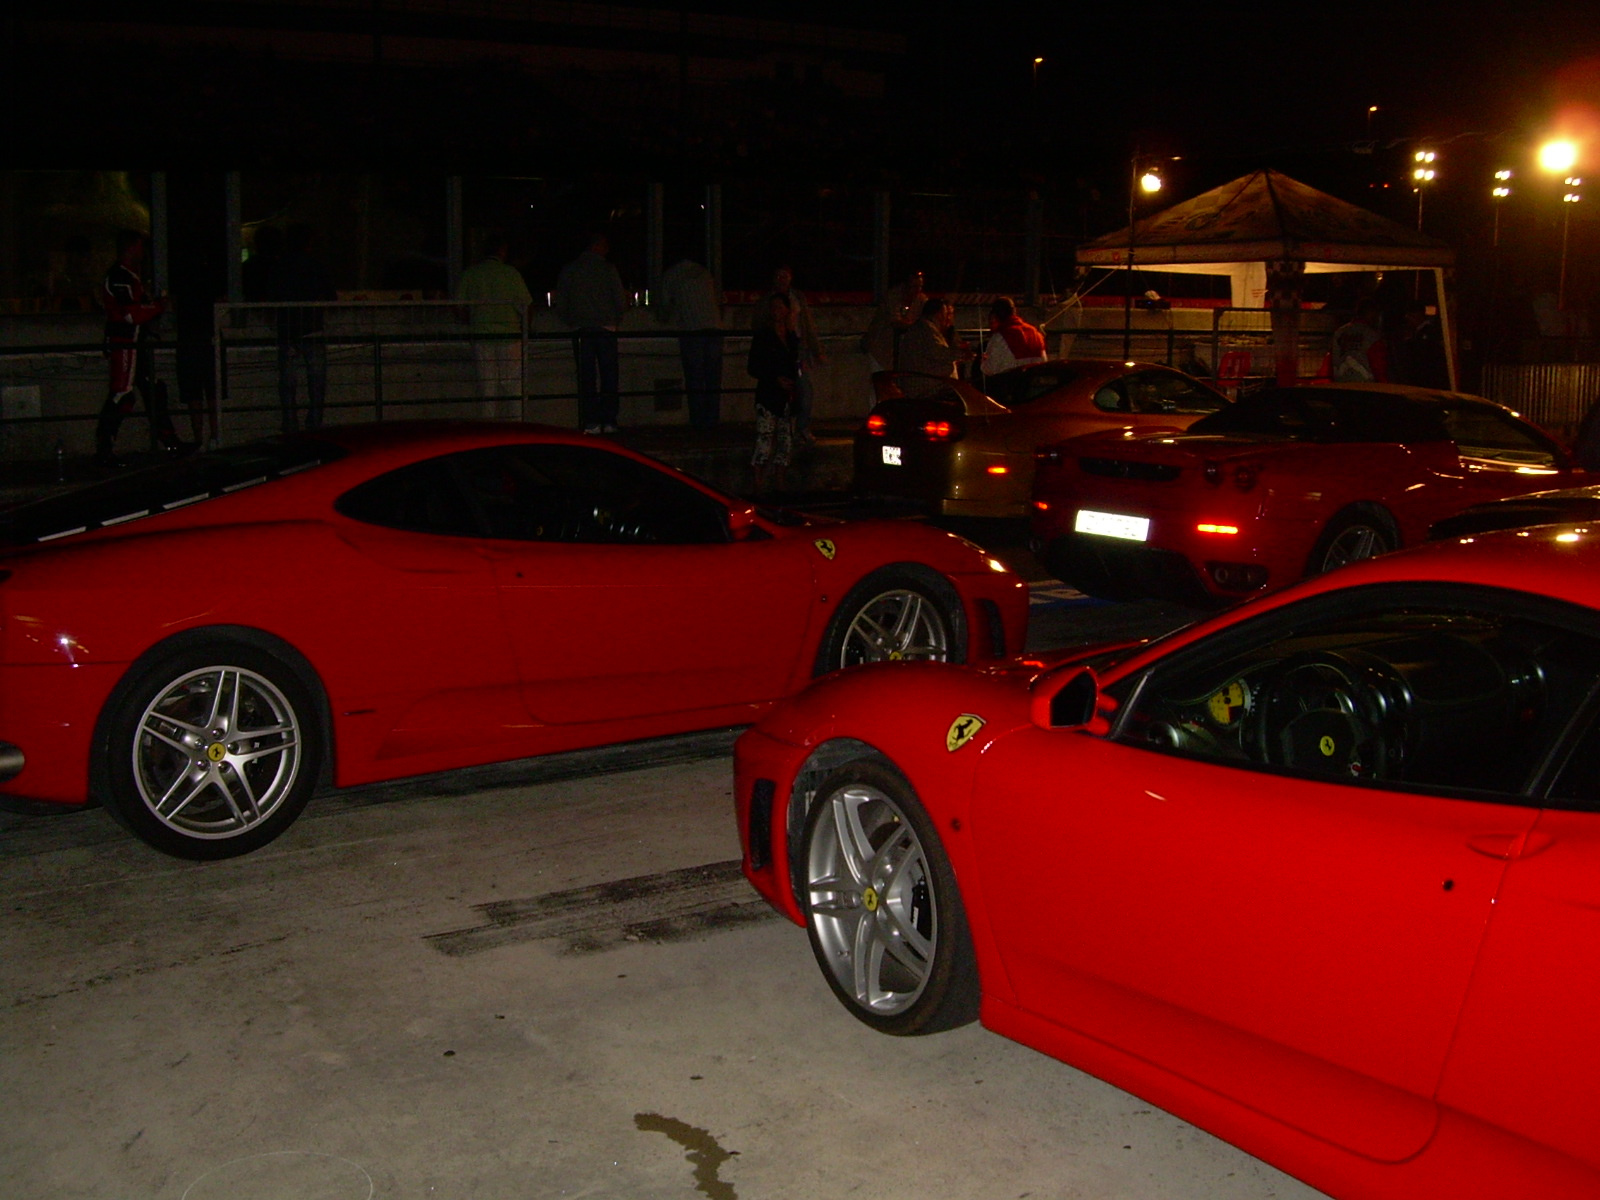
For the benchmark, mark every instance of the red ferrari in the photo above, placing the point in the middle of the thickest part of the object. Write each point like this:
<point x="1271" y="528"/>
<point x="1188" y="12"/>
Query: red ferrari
<point x="1321" y="875"/>
<point x="1283" y="484"/>
<point x="197" y="645"/>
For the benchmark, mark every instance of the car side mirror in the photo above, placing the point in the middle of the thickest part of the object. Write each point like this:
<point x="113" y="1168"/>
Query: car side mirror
<point x="1066" y="698"/>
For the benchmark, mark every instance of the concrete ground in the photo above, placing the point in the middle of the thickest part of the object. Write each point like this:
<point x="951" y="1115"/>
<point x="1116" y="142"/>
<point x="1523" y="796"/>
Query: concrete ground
<point x="540" y="979"/>
<point x="506" y="985"/>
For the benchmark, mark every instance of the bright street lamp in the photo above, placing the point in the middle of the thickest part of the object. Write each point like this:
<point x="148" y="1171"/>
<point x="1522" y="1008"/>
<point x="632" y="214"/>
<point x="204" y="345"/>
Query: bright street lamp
<point x="1422" y="175"/>
<point x="1558" y="155"/>
<point x="1148" y="180"/>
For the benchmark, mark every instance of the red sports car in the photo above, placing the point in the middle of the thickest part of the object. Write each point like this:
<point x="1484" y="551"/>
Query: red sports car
<point x="1286" y="483"/>
<point x="1321" y="875"/>
<point x="197" y="645"/>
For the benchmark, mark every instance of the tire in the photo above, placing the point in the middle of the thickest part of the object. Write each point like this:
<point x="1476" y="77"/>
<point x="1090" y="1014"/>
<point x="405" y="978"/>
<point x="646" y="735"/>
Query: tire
<point x="1351" y="536"/>
<point x="882" y="909"/>
<point x="892" y="615"/>
<point x="210" y="752"/>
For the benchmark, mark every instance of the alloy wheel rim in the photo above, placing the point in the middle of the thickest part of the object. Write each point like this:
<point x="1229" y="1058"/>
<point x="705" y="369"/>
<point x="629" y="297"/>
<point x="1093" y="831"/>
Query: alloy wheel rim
<point x="872" y="906"/>
<point x="216" y="752"/>
<point x="899" y="624"/>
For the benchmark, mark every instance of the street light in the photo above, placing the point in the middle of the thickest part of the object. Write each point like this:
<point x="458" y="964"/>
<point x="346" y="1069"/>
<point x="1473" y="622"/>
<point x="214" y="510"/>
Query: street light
<point x="1422" y="175"/>
<point x="1559" y="156"/>
<point x="1148" y="181"/>
<point x="1498" y="193"/>
<point x="1571" y="197"/>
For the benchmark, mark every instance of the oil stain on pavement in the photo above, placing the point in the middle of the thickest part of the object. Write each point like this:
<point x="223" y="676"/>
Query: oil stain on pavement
<point x="700" y="1148"/>
<point x="668" y="906"/>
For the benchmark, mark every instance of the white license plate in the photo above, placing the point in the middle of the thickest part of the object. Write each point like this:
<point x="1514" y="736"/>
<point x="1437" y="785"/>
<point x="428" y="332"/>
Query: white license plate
<point x="891" y="456"/>
<point x="1117" y="525"/>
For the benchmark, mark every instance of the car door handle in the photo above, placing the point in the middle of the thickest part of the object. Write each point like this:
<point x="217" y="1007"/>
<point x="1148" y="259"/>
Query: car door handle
<point x="1508" y="845"/>
<point x="1495" y="845"/>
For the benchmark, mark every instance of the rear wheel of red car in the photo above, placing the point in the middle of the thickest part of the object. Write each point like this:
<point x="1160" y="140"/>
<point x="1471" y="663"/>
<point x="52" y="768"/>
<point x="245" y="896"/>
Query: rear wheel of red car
<point x="1352" y="536"/>
<point x="882" y="909"/>
<point x="211" y="752"/>
<point x="895" y="615"/>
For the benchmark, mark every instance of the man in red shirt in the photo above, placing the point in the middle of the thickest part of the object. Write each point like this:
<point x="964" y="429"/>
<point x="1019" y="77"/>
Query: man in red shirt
<point x="128" y="310"/>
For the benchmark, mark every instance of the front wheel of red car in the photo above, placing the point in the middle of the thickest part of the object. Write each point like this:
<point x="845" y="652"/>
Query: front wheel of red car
<point x="211" y="752"/>
<point x="884" y="915"/>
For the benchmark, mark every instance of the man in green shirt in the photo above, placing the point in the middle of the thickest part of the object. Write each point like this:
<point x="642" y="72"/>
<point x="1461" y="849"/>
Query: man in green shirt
<point x="499" y="298"/>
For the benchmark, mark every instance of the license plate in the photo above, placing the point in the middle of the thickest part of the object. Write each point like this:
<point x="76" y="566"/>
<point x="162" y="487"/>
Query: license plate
<point x="1117" y="525"/>
<point x="891" y="456"/>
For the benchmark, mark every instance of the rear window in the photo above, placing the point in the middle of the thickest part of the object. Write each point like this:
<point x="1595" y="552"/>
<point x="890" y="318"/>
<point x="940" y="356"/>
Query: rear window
<point x="162" y="488"/>
<point x="1329" y="415"/>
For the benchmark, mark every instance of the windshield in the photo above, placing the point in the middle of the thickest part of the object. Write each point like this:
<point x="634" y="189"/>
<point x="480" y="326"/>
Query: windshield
<point x="162" y="488"/>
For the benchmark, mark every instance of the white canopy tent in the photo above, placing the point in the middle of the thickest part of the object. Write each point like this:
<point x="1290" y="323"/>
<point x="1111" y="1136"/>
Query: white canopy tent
<point x="1265" y="231"/>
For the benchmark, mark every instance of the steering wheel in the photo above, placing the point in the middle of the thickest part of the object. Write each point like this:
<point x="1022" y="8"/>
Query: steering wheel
<point x="1339" y="715"/>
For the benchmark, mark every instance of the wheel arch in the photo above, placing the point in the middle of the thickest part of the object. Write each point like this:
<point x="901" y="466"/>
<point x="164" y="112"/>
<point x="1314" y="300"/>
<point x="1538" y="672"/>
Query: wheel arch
<point x="243" y="635"/>
<point x="1375" y="511"/>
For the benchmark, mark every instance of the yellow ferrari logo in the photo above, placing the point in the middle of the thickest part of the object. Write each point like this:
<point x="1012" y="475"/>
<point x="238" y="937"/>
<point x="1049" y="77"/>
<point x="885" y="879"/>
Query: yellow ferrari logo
<point x="216" y="752"/>
<point x="827" y="548"/>
<point x="1327" y="746"/>
<point x="869" y="899"/>
<point x="962" y="730"/>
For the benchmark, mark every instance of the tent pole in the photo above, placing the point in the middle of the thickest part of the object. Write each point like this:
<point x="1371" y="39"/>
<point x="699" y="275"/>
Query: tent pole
<point x="1447" y="330"/>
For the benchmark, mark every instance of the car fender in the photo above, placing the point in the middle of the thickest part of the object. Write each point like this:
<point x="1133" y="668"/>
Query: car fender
<point x="933" y="722"/>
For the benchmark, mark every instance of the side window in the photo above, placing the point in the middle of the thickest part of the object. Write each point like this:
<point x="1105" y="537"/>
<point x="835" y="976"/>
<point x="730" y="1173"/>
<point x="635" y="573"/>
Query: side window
<point x="422" y="497"/>
<point x="560" y="493"/>
<point x="1481" y="431"/>
<point x="1463" y="698"/>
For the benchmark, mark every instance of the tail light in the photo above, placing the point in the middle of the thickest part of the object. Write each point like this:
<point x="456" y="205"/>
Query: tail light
<point x="1245" y="475"/>
<point x="1213" y="473"/>
<point x="876" y="425"/>
<point x="942" y="431"/>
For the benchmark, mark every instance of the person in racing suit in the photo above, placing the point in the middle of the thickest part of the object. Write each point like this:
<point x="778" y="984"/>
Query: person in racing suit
<point x="129" y="308"/>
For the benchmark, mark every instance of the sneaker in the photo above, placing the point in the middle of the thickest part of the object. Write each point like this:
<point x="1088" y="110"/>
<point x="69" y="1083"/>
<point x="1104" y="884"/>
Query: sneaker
<point x="591" y="429"/>
<point x="609" y="429"/>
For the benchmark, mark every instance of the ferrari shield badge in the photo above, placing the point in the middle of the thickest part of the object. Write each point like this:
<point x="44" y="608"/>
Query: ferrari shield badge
<point x="826" y="548"/>
<point x="962" y="730"/>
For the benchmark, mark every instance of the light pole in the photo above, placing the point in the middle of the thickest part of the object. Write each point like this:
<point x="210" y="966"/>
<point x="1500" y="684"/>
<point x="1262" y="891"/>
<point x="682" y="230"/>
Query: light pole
<point x="1570" y="197"/>
<point x="1558" y="157"/>
<point x="1421" y="176"/>
<point x="1150" y="183"/>
<point x="1498" y="194"/>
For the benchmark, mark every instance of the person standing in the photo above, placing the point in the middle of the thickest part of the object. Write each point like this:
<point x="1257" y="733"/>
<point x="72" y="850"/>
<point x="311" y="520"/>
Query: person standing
<point x="129" y="311"/>
<point x="691" y="303"/>
<point x="1012" y="341"/>
<point x="811" y="353"/>
<point x="1359" y="354"/>
<point x="499" y="298"/>
<point x="301" y="280"/>
<point x="932" y="348"/>
<point x="1419" y="356"/>
<point x="898" y="313"/>
<point x="774" y="364"/>
<point x="590" y="298"/>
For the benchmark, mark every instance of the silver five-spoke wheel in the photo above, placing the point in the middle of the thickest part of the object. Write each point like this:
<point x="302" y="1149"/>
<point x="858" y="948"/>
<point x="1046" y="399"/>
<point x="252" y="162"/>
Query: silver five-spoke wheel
<point x="209" y="750"/>
<point x="218" y="751"/>
<point x="885" y="921"/>
<point x="897" y="624"/>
